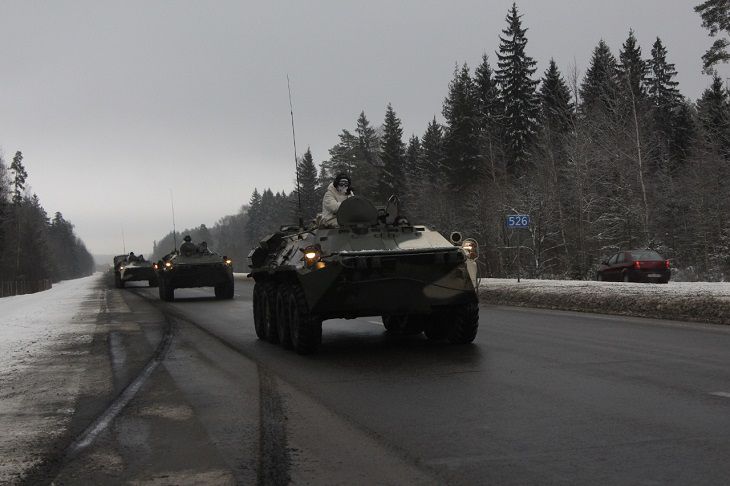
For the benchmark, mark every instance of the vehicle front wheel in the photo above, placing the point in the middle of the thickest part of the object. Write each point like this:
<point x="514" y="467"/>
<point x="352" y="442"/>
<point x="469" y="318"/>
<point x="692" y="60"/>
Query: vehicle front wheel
<point x="305" y="329"/>
<point x="283" y="316"/>
<point x="167" y="291"/>
<point x="259" y="317"/>
<point x="465" y="323"/>
<point x="599" y="277"/>
<point x="627" y="278"/>
<point x="224" y="290"/>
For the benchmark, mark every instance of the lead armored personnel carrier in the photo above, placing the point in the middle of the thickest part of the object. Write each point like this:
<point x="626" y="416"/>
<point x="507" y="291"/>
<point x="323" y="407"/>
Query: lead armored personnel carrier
<point x="177" y="270"/>
<point x="371" y="265"/>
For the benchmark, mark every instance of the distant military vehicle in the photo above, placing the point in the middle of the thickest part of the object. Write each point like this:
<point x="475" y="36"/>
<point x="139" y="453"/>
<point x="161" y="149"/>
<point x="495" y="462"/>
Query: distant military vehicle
<point x="133" y="271"/>
<point x="195" y="269"/>
<point x="372" y="264"/>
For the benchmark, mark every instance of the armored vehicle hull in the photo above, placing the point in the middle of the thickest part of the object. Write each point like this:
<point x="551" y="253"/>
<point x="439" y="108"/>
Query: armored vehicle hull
<point x="125" y="271"/>
<point x="178" y="271"/>
<point x="412" y="276"/>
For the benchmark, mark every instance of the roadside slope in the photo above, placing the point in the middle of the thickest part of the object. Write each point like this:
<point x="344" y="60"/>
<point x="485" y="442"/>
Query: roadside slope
<point x="691" y="301"/>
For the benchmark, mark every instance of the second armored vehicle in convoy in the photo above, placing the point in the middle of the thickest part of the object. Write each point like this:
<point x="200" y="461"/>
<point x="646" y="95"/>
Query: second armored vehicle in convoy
<point x="195" y="269"/>
<point x="133" y="270"/>
<point x="370" y="265"/>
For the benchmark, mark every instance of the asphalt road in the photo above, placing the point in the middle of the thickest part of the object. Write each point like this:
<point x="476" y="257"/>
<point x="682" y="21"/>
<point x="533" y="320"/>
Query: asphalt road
<point x="541" y="397"/>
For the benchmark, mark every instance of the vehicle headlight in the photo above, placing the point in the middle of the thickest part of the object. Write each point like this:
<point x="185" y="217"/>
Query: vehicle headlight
<point x="155" y="266"/>
<point x="312" y="255"/>
<point x="471" y="248"/>
<point x="121" y="268"/>
<point x="168" y="265"/>
<point x="228" y="261"/>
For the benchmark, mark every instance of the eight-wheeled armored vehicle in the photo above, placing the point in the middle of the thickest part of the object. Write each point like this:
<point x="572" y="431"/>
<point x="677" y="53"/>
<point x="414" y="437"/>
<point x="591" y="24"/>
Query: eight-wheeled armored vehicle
<point x="126" y="270"/>
<point x="370" y="265"/>
<point x="177" y="270"/>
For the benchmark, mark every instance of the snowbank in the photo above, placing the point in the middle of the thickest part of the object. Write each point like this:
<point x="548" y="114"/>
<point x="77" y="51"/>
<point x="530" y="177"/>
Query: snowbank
<point x="695" y="301"/>
<point x="31" y="322"/>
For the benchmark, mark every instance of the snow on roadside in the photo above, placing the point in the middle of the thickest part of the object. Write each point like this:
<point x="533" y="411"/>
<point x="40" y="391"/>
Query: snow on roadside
<point x="29" y="323"/>
<point x="697" y="301"/>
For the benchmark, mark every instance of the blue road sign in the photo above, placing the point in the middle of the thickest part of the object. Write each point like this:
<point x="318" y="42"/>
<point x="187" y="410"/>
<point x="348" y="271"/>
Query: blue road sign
<point x="518" y="221"/>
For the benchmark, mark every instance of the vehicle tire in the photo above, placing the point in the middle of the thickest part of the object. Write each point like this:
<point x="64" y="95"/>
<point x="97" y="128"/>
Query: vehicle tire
<point x="305" y="329"/>
<point x="283" y="316"/>
<point x="259" y="295"/>
<point x="152" y="283"/>
<point x="270" y="313"/>
<point x="167" y="291"/>
<point x="229" y="290"/>
<point x="408" y="325"/>
<point x="599" y="277"/>
<point x="224" y="290"/>
<point x="465" y="323"/>
<point x="626" y="277"/>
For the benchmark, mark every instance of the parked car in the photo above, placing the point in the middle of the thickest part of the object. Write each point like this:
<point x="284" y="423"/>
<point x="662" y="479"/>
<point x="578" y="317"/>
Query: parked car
<point x="635" y="266"/>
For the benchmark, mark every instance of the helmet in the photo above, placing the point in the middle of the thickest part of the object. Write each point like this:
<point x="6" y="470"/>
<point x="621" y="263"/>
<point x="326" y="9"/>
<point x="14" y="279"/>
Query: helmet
<point x="342" y="176"/>
<point x="187" y="238"/>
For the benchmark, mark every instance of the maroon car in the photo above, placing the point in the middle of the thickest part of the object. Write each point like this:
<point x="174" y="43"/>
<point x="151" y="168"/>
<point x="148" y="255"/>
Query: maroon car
<point x="635" y="266"/>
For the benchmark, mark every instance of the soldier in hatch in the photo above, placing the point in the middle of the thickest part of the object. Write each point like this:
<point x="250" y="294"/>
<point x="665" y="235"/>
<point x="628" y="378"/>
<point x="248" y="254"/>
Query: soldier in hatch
<point x="188" y="248"/>
<point x="339" y="190"/>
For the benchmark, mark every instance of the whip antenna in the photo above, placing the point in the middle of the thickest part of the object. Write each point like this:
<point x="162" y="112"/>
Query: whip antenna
<point x="174" y="230"/>
<point x="124" y="245"/>
<point x="296" y="163"/>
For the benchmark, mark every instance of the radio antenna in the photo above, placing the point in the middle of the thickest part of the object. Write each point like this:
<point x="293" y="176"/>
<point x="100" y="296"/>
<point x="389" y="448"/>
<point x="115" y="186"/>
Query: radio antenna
<point x="124" y="245"/>
<point x="174" y="230"/>
<point x="296" y="163"/>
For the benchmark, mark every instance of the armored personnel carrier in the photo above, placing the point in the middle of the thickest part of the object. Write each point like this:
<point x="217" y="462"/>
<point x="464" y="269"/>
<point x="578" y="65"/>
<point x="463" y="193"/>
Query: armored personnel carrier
<point x="370" y="265"/>
<point x="126" y="270"/>
<point x="177" y="270"/>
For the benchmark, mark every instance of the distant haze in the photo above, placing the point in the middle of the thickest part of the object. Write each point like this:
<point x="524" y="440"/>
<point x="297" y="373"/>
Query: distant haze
<point x="114" y="104"/>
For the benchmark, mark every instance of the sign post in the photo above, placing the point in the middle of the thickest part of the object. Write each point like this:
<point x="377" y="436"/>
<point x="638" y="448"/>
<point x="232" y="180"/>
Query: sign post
<point x="518" y="221"/>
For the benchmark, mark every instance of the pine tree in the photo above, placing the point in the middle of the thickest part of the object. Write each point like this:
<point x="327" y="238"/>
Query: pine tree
<point x="19" y="177"/>
<point x="517" y="91"/>
<point x="632" y="68"/>
<point x="715" y="18"/>
<point x="392" y="153"/>
<point x="600" y="85"/>
<point x="461" y="136"/>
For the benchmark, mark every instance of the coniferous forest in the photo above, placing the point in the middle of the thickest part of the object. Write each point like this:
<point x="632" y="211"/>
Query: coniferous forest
<point x="611" y="158"/>
<point x="35" y="250"/>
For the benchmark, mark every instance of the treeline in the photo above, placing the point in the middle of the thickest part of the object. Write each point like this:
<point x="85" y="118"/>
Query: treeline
<point x="616" y="158"/>
<point x="34" y="247"/>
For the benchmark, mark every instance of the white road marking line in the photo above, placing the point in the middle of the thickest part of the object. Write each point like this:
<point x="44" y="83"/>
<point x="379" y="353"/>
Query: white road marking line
<point x="721" y="394"/>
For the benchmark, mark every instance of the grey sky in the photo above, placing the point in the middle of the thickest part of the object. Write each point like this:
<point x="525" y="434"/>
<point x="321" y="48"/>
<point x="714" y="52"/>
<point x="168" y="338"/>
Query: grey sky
<point x="115" y="103"/>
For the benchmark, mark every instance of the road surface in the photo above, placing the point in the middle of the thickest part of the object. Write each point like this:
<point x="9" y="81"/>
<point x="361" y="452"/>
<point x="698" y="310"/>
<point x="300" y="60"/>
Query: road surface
<point x="184" y="393"/>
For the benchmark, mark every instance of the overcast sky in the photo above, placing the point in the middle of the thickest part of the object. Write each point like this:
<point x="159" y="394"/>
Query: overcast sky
<point x="114" y="104"/>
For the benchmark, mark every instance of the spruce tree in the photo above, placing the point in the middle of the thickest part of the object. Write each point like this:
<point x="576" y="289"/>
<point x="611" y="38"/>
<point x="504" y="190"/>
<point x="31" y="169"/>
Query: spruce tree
<point x="19" y="177"/>
<point x="489" y="116"/>
<point x="432" y="146"/>
<point x="310" y="197"/>
<point x="556" y="106"/>
<point x="632" y="68"/>
<point x="715" y="18"/>
<point x="461" y="136"/>
<point x="392" y="154"/>
<point x="662" y="87"/>
<point x="255" y="217"/>
<point x="713" y="109"/>
<point x="514" y="75"/>
<point x="600" y="84"/>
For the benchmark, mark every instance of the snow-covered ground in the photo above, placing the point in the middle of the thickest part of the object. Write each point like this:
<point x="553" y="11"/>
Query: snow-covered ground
<point x="44" y="341"/>
<point x="699" y="301"/>
<point x="30" y="323"/>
